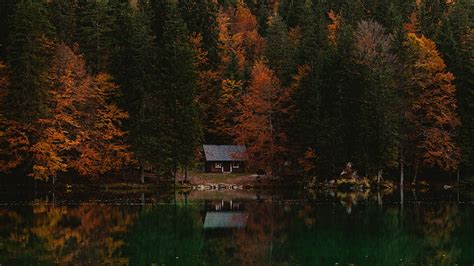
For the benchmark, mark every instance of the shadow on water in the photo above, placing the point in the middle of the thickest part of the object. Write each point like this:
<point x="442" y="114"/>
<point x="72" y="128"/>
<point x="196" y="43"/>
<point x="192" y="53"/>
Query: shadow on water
<point x="239" y="228"/>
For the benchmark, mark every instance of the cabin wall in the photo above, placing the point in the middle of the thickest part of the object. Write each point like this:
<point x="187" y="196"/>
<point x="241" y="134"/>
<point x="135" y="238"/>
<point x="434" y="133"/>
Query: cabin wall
<point x="209" y="167"/>
<point x="240" y="169"/>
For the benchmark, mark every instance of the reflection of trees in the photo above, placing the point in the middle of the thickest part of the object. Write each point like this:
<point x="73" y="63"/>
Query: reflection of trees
<point x="17" y="245"/>
<point x="166" y="235"/>
<point x="371" y="237"/>
<point x="86" y="234"/>
<point x="44" y="233"/>
<point x="286" y="233"/>
<point x="464" y="235"/>
<point x="256" y="244"/>
<point x="438" y="226"/>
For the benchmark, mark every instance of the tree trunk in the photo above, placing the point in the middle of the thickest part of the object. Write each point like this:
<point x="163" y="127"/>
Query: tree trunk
<point x="401" y="184"/>
<point x="401" y="174"/>
<point x="457" y="176"/>
<point x="379" y="175"/>
<point x="142" y="172"/>
<point x="415" y="174"/>
<point x="175" y="170"/>
<point x="186" y="173"/>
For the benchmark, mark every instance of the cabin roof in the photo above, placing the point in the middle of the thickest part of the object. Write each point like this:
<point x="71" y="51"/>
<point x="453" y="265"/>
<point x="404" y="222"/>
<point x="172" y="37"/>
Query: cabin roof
<point x="215" y="220"/>
<point x="225" y="152"/>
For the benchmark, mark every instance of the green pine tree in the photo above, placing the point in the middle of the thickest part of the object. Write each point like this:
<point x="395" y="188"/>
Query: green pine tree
<point x="133" y="66"/>
<point x="63" y="17"/>
<point x="94" y="27"/>
<point x="280" y="51"/>
<point x="178" y="127"/>
<point x="29" y="54"/>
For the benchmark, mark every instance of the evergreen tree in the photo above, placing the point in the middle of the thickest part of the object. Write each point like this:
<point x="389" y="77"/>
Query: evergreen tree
<point x="177" y="126"/>
<point x="29" y="53"/>
<point x="63" y="17"/>
<point x="133" y="66"/>
<point x="293" y="12"/>
<point x="201" y="17"/>
<point x="378" y="117"/>
<point x="280" y="51"/>
<point x="7" y="10"/>
<point x="94" y="27"/>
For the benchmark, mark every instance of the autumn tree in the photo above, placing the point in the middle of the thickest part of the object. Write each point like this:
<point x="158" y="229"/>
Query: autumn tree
<point x="105" y="149"/>
<point x="334" y="26"/>
<point x="239" y="44"/>
<point x="456" y="44"/>
<point x="431" y="113"/>
<point x="260" y="120"/>
<point x="81" y="129"/>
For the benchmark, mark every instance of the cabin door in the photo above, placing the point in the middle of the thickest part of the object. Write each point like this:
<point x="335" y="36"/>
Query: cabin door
<point x="226" y="167"/>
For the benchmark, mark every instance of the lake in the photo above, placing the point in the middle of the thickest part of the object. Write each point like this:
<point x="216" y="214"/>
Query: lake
<point x="238" y="227"/>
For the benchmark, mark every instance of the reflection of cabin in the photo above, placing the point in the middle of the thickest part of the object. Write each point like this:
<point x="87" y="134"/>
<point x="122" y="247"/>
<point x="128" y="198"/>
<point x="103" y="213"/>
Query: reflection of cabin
<point x="223" y="220"/>
<point x="224" y="215"/>
<point x="225" y="158"/>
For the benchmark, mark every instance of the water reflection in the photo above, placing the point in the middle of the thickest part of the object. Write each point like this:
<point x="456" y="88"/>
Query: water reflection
<point x="240" y="228"/>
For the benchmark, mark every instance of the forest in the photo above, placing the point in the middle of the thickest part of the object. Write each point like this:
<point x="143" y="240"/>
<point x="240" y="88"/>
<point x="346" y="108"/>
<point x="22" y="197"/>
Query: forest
<point x="90" y="88"/>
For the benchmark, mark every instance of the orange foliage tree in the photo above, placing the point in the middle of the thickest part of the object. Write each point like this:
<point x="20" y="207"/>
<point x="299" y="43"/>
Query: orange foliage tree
<point x="431" y="114"/>
<point x="105" y="149"/>
<point x="208" y="87"/>
<point x="238" y="37"/>
<point x="262" y="113"/>
<point x="81" y="131"/>
<point x="333" y="27"/>
<point x="240" y="45"/>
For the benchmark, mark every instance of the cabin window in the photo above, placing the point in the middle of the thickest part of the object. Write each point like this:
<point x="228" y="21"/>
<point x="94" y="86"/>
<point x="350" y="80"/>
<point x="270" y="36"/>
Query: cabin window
<point x="218" y="165"/>
<point x="236" y="165"/>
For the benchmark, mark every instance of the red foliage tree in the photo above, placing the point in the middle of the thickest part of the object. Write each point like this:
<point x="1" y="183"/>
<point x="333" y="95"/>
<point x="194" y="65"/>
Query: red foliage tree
<point x="261" y="118"/>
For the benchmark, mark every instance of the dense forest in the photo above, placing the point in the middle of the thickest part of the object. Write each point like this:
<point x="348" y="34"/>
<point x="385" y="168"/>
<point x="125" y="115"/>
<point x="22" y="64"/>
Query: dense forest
<point x="90" y="88"/>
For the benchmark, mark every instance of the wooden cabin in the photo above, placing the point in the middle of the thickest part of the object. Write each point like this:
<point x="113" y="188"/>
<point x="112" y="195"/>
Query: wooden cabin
<point x="225" y="158"/>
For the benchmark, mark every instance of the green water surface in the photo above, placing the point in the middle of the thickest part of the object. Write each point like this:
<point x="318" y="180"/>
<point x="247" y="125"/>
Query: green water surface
<point x="239" y="228"/>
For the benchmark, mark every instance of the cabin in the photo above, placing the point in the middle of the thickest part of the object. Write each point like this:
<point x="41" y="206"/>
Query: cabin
<point x="225" y="158"/>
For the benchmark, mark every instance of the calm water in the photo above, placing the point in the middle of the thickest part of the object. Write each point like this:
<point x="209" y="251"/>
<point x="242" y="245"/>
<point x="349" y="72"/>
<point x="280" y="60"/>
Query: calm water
<point x="238" y="228"/>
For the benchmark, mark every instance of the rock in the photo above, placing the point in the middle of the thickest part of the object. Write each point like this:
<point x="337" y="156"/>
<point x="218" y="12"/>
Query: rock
<point x="447" y="187"/>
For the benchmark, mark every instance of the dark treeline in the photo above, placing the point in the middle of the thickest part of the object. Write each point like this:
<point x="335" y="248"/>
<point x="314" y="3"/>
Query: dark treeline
<point x="92" y="87"/>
